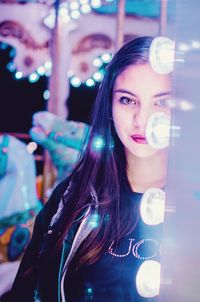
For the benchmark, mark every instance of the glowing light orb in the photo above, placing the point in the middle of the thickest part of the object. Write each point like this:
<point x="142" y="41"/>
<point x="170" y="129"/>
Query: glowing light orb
<point x="90" y="82"/>
<point x="33" y="77"/>
<point x="83" y="1"/>
<point x="46" y="94"/>
<point x="75" y="81"/>
<point x="95" y="3"/>
<point x="183" y="47"/>
<point x="18" y="75"/>
<point x="106" y="57"/>
<point x="161" y="55"/>
<point x="98" y="143"/>
<point x="195" y="44"/>
<point x="74" y="5"/>
<point x="41" y="70"/>
<point x="75" y="14"/>
<point x="31" y="147"/>
<point x="94" y="220"/>
<point x="152" y="206"/>
<point x="63" y="11"/>
<point x="186" y="105"/>
<point x="97" y="62"/>
<point x="48" y="65"/>
<point x="49" y="20"/>
<point x="158" y="130"/>
<point x="148" y="279"/>
<point x="11" y="66"/>
<point x="85" y="9"/>
<point x="97" y="76"/>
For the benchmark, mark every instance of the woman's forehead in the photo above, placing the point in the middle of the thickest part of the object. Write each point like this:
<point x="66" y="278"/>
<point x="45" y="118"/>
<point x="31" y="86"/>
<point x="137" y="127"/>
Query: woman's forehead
<point x="142" y="78"/>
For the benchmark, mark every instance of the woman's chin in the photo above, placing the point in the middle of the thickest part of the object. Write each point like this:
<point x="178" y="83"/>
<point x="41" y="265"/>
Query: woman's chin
<point x="145" y="151"/>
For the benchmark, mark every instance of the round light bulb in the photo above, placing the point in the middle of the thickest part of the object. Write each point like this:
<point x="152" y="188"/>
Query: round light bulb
<point x="95" y="3"/>
<point x="106" y="57"/>
<point x="31" y="147"/>
<point x="148" y="279"/>
<point x="161" y="55"/>
<point x="18" y="75"/>
<point x="33" y="77"/>
<point x="75" y="14"/>
<point x="85" y="8"/>
<point x="75" y="81"/>
<point x="97" y="62"/>
<point x="152" y="206"/>
<point x="97" y="76"/>
<point x="90" y="82"/>
<point x="46" y="94"/>
<point x="41" y="70"/>
<point x="158" y="130"/>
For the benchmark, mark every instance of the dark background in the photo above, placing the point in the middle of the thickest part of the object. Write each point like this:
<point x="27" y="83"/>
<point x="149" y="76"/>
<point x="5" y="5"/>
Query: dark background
<point x="20" y="99"/>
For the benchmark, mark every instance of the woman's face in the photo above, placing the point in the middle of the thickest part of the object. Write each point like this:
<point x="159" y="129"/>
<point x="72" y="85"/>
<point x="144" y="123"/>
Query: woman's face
<point x="138" y="92"/>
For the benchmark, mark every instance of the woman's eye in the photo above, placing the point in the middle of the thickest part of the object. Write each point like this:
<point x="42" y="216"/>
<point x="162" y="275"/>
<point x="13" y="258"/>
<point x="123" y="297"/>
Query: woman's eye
<point x="126" y="101"/>
<point x="162" y="103"/>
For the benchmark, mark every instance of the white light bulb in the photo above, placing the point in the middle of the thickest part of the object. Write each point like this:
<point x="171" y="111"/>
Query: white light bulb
<point x="95" y="3"/>
<point x="148" y="279"/>
<point x="106" y="57"/>
<point x="75" y="81"/>
<point x="75" y="14"/>
<point x="85" y="9"/>
<point x="152" y="207"/>
<point x="31" y="147"/>
<point x="183" y="47"/>
<point x="97" y="76"/>
<point x="84" y="1"/>
<point x="186" y="105"/>
<point x="41" y="70"/>
<point x="97" y="62"/>
<point x="90" y="82"/>
<point x="158" y="130"/>
<point x="46" y="94"/>
<point x="195" y="44"/>
<point x="161" y="55"/>
<point x="48" y="65"/>
<point x="63" y="11"/>
<point x="74" y="5"/>
<point x="34" y="77"/>
<point x="18" y="75"/>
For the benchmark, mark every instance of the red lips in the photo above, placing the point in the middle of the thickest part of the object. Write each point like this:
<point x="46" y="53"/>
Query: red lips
<point x="139" y="139"/>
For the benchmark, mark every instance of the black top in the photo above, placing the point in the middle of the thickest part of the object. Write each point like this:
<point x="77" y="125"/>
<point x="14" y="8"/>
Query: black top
<point x="113" y="277"/>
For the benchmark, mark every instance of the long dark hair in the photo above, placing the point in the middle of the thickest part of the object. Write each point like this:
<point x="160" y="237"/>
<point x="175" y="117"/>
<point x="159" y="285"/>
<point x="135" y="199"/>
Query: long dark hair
<point x="103" y="165"/>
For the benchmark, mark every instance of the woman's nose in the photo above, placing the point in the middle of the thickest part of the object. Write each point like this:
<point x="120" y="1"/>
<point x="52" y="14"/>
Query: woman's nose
<point x="141" y="118"/>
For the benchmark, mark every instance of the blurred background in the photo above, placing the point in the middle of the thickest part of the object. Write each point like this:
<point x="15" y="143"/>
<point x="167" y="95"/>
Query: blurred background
<point x="53" y="56"/>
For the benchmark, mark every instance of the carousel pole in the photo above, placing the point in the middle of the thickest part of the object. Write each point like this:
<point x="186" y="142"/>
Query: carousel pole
<point x="59" y="89"/>
<point x="120" y="24"/>
<point x="163" y="17"/>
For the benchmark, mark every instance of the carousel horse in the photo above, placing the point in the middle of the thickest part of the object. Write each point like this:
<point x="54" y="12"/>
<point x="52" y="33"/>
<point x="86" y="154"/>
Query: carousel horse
<point x="19" y="205"/>
<point x="63" y="139"/>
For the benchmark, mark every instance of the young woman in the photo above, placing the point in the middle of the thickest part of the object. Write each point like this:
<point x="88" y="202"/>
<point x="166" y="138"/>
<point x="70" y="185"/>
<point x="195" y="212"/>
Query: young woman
<point x="88" y="239"/>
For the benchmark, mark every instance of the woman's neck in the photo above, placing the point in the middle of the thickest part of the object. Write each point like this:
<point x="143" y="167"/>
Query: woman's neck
<point x="145" y="173"/>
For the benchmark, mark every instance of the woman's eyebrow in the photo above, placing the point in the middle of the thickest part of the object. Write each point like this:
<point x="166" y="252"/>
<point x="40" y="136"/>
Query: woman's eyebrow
<point x="124" y="91"/>
<point x="167" y="93"/>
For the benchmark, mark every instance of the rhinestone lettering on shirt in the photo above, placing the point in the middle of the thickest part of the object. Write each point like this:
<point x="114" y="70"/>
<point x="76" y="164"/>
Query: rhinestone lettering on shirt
<point x="135" y="249"/>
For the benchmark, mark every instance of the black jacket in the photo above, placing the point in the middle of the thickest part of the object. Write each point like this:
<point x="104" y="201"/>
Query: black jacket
<point x="38" y="274"/>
